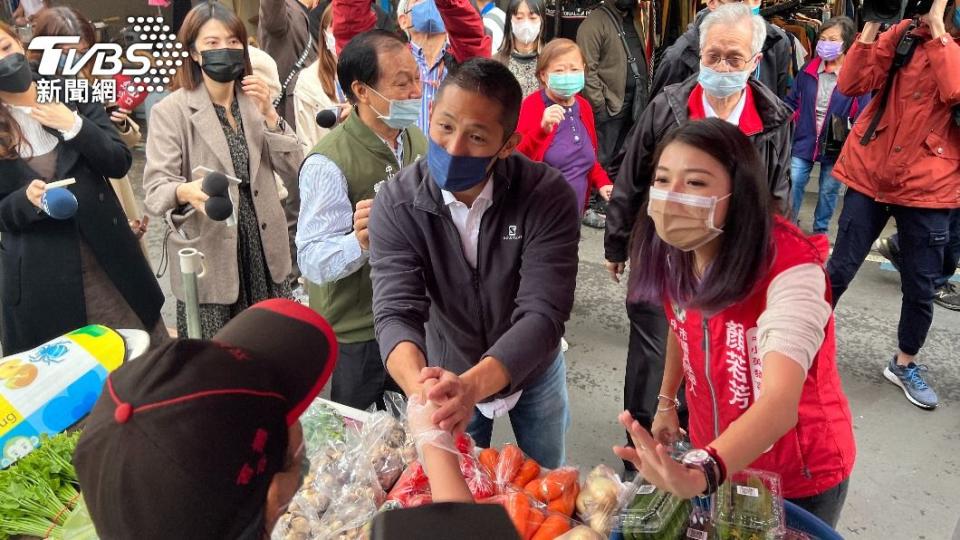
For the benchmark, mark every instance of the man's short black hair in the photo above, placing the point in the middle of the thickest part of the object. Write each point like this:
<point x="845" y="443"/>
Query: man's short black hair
<point x="358" y="60"/>
<point x="492" y="80"/>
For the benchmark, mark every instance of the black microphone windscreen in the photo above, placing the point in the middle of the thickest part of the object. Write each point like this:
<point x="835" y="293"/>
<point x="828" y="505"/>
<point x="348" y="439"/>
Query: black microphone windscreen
<point x="327" y="118"/>
<point x="218" y="208"/>
<point x="215" y="184"/>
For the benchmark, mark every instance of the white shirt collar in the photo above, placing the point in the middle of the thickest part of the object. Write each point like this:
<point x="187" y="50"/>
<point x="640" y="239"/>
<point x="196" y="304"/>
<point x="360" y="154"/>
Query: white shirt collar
<point x="735" y="114"/>
<point x="486" y="195"/>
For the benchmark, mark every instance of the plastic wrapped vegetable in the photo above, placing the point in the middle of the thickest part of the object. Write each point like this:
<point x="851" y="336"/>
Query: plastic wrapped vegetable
<point x="320" y="425"/>
<point x="651" y="514"/>
<point x="599" y="500"/>
<point x="385" y="441"/>
<point x="749" y="506"/>
<point x="530" y="518"/>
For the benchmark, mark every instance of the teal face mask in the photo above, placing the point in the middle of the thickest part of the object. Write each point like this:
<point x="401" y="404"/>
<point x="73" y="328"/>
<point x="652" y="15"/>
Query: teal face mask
<point x="755" y="10"/>
<point x="565" y="84"/>
<point x="403" y="112"/>
<point x="956" y="16"/>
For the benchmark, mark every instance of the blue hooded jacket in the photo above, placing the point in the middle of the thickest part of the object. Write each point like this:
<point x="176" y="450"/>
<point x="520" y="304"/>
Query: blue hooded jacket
<point x="807" y="140"/>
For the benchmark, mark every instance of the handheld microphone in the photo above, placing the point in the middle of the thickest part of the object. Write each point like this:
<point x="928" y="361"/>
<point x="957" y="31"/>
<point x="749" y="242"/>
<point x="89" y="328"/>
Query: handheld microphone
<point x="218" y="207"/>
<point x="59" y="203"/>
<point x="328" y="118"/>
<point x="215" y="184"/>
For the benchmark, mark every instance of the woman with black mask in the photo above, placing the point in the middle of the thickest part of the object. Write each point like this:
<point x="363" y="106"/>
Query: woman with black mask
<point x="57" y="275"/>
<point x="221" y="118"/>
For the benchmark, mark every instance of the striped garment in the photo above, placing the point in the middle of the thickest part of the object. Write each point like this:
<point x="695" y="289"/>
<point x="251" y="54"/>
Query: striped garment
<point x="430" y="79"/>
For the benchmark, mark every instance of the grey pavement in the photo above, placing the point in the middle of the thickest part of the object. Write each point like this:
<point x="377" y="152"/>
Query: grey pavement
<point x="906" y="484"/>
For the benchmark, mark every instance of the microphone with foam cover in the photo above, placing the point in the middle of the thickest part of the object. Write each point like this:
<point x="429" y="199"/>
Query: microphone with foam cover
<point x="218" y="207"/>
<point x="327" y="118"/>
<point x="59" y="203"/>
<point x="215" y="184"/>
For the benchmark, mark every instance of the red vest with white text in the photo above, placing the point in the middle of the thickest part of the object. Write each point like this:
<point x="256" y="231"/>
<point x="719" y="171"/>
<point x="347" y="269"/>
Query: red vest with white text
<point x="724" y="374"/>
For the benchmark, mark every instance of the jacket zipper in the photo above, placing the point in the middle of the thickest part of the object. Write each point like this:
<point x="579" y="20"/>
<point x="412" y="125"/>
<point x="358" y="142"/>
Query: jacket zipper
<point x="473" y="271"/>
<point x="713" y="394"/>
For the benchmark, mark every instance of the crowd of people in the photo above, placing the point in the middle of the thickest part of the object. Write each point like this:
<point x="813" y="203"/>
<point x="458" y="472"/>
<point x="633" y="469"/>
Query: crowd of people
<point x="419" y="179"/>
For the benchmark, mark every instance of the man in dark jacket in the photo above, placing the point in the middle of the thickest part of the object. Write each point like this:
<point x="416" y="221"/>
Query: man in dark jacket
<point x="682" y="59"/>
<point x="482" y="243"/>
<point x="610" y="86"/>
<point x="758" y="112"/>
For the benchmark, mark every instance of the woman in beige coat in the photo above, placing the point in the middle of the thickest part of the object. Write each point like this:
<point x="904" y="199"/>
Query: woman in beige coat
<point x="221" y="118"/>
<point x="317" y="88"/>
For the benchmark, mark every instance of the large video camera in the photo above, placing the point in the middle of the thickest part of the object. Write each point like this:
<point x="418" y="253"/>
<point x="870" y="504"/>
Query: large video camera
<point x="894" y="11"/>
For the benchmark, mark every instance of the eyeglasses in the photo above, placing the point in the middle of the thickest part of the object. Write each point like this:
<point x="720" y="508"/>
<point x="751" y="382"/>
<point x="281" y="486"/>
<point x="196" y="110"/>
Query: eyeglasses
<point x="713" y="60"/>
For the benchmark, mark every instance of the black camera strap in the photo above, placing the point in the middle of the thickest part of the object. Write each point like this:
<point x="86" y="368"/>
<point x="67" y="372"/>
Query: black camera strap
<point x="905" y="47"/>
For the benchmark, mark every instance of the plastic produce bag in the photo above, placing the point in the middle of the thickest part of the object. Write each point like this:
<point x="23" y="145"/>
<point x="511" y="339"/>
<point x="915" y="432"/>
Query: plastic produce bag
<point x="321" y="424"/>
<point x="582" y="532"/>
<point x="385" y="443"/>
<point x="651" y="514"/>
<point x="78" y="525"/>
<point x="532" y="520"/>
<point x="600" y="499"/>
<point x="558" y="489"/>
<point x="749" y="506"/>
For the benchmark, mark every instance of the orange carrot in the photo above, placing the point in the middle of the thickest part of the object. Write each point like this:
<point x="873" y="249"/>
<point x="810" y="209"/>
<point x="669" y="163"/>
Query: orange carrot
<point x="533" y="489"/>
<point x="566" y="503"/>
<point x="518" y="508"/>
<point x="557" y="482"/>
<point x="534" y="520"/>
<point x="489" y="458"/>
<point x="528" y="471"/>
<point x="552" y="527"/>
<point x="511" y="458"/>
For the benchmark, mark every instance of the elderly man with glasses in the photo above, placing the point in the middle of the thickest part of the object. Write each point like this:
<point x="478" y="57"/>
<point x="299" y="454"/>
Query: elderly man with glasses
<point x="731" y="41"/>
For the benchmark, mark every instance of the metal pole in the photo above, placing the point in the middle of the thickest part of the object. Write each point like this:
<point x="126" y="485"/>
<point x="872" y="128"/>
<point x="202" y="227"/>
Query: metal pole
<point x="191" y="268"/>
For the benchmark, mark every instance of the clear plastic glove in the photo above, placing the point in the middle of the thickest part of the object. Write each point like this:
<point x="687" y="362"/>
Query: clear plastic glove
<point x="422" y="429"/>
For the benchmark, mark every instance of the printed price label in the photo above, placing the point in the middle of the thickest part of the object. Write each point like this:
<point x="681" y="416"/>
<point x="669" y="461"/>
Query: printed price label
<point x="696" y="535"/>
<point x="646" y="489"/>
<point x="748" y="491"/>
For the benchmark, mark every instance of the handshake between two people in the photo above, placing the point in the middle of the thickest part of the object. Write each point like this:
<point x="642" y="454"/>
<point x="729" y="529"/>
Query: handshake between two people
<point x="441" y="407"/>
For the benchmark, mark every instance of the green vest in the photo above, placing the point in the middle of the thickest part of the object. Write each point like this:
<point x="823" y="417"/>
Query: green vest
<point x="365" y="161"/>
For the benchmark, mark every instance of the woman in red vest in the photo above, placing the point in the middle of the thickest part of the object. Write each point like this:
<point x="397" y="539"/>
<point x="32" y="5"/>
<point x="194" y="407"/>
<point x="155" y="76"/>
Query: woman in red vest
<point x="747" y="299"/>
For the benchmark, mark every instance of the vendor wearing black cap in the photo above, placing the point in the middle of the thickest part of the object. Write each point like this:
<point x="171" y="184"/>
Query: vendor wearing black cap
<point x="202" y="439"/>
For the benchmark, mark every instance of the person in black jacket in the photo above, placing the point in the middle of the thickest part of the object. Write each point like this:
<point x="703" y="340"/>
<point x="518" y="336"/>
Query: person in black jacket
<point x="724" y="89"/>
<point x="482" y="242"/>
<point x="682" y="59"/>
<point x="59" y="275"/>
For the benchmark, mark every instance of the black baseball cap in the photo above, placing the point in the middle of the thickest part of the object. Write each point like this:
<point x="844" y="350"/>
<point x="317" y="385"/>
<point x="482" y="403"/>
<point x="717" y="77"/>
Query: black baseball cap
<point x="184" y="442"/>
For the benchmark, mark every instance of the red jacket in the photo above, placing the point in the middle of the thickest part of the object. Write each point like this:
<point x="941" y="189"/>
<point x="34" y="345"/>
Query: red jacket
<point x="535" y="142"/>
<point x="723" y="379"/>
<point x="915" y="158"/>
<point x="463" y="22"/>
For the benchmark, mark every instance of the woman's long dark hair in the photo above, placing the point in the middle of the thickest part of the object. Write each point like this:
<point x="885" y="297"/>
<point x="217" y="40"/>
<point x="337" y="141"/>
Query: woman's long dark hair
<point x="189" y="76"/>
<point x="327" y="66"/>
<point x="506" y="47"/>
<point x="11" y="136"/>
<point x="659" y="271"/>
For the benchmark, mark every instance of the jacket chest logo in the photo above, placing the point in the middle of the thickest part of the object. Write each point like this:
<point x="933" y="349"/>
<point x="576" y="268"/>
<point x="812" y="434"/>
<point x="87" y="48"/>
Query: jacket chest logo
<point x="512" y="233"/>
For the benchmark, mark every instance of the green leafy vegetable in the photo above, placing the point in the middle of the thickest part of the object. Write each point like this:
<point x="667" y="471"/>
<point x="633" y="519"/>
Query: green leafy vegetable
<point x="38" y="491"/>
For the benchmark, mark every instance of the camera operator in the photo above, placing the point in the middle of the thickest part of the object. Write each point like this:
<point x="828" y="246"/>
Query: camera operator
<point x="908" y="168"/>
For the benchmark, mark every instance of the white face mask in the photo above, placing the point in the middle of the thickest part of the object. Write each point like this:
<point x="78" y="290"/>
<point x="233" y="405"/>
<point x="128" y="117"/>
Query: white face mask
<point x="330" y="41"/>
<point x="526" y="31"/>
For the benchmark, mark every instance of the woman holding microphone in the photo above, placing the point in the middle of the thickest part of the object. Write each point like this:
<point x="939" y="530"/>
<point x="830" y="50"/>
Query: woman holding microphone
<point x="752" y="330"/>
<point x="221" y="118"/>
<point x="57" y="275"/>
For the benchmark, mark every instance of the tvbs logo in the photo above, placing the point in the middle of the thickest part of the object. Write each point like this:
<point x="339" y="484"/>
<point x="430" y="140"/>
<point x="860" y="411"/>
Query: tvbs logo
<point x="152" y="61"/>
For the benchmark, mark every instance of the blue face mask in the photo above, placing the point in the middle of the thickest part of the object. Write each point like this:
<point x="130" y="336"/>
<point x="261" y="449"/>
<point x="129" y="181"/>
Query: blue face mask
<point x="755" y="10"/>
<point x="426" y="18"/>
<point x="956" y="16"/>
<point x="403" y="112"/>
<point x="722" y="84"/>
<point x="456" y="173"/>
<point x="565" y="84"/>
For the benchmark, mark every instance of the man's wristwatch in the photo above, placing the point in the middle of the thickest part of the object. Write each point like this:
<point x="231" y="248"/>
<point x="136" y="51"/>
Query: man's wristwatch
<point x="702" y="461"/>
